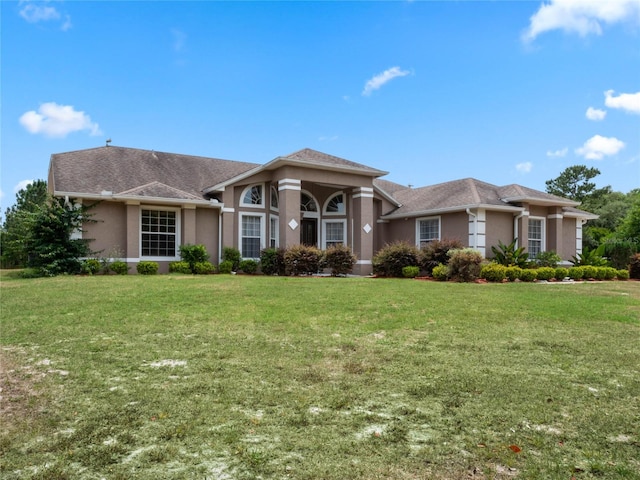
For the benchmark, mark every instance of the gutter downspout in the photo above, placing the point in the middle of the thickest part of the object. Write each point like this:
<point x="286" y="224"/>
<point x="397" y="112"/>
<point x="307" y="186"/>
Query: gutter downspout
<point x="475" y="228"/>
<point x="515" y="227"/>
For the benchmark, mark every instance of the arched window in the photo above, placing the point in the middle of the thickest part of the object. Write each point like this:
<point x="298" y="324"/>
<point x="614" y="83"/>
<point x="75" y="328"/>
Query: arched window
<point x="335" y="205"/>
<point x="274" y="198"/>
<point x="252" y="196"/>
<point x="307" y="203"/>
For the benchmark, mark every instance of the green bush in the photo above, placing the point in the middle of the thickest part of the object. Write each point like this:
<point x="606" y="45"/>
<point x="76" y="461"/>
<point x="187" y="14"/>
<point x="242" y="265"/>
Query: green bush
<point x="618" y="251"/>
<point x="119" y="267"/>
<point x="545" y="273"/>
<point x="179" y="267"/>
<point x="622" y="274"/>
<point x="230" y="254"/>
<point x="575" y="273"/>
<point x="225" y="266"/>
<point x="493" y="272"/>
<point x="410" y="272"/>
<point x="513" y="273"/>
<point x="302" y="260"/>
<point x="528" y="275"/>
<point x="436" y="252"/>
<point x="204" y="268"/>
<point x="509" y="255"/>
<point x="272" y="261"/>
<point x="589" y="272"/>
<point x="35" y="273"/>
<point x="193" y="254"/>
<point x="91" y="266"/>
<point x="634" y="266"/>
<point x="440" y="272"/>
<point x="393" y="257"/>
<point x="147" y="268"/>
<point x="590" y="258"/>
<point x="248" y="266"/>
<point x="465" y="265"/>
<point x="607" y="273"/>
<point x="561" y="273"/>
<point x="548" y="258"/>
<point x="340" y="259"/>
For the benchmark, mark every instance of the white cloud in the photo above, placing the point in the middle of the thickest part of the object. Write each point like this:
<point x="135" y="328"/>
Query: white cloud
<point x="179" y="39"/>
<point x="583" y="17"/>
<point x="379" y="80"/>
<point x="625" y="101"/>
<point x="33" y="13"/>
<point x="524" y="167"/>
<point x="558" y="153"/>
<point x="55" y="120"/>
<point x="21" y="185"/>
<point x="595" y="114"/>
<point x="598" y="147"/>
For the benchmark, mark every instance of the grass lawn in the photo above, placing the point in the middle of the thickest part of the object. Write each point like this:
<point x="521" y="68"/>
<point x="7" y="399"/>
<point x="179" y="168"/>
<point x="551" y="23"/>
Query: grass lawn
<point x="239" y="377"/>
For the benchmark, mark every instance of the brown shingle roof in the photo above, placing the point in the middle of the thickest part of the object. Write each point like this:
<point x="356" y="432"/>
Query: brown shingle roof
<point x="120" y="169"/>
<point x="308" y="155"/>
<point x="468" y="192"/>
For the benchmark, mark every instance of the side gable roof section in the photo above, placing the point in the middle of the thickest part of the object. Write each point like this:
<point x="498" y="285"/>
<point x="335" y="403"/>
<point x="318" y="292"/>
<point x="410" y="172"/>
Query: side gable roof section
<point x="307" y="158"/>
<point x="459" y="195"/>
<point x="122" y="172"/>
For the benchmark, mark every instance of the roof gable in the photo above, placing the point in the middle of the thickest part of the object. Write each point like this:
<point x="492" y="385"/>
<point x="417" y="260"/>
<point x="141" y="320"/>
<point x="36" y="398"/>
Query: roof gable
<point x="158" y="190"/>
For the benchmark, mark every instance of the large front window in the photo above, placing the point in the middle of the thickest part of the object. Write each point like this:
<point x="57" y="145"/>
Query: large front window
<point x="159" y="233"/>
<point x="428" y="230"/>
<point x="334" y="233"/>
<point x="251" y="234"/>
<point x="536" y="237"/>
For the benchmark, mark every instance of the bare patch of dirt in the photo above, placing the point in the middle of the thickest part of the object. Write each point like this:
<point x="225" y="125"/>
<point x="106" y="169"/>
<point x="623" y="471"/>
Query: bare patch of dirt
<point x="18" y="393"/>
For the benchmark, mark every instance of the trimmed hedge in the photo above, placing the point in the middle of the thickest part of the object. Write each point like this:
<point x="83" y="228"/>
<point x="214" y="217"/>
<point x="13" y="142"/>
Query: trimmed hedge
<point x="493" y="272"/>
<point x="147" y="268"/>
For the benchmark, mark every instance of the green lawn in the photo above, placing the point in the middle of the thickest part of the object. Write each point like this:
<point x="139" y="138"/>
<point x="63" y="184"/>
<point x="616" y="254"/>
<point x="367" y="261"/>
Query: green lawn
<point x="238" y="377"/>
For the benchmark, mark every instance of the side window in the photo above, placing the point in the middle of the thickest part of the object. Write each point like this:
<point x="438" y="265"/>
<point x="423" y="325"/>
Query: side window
<point x="427" y="230"/>
<point x="252" y="196"/>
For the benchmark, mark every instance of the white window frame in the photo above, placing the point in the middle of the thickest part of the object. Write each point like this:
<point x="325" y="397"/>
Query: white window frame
<point x="262" y="231"/>
<point x="343" y="221"/>
<point x="309" y="213"/>
<point x="273" y="190"/>
<point x="543" y="235"/>
<point x="247" y="190"/>
<point x="344" y="205"/>
<point x="178" y="242"/>
<point x="274" y="233"/>
<point x="419" y="241"/>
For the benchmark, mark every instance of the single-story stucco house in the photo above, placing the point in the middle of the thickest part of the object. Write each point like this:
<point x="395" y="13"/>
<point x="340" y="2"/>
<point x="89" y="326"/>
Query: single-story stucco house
<point x="152" y="202"/>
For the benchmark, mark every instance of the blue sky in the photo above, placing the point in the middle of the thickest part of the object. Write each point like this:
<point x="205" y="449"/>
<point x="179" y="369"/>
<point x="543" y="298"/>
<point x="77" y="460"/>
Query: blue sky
<point x="430" y="91"/>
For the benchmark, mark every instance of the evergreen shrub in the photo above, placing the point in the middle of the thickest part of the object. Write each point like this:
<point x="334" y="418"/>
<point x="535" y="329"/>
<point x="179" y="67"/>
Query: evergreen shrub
<point x="272" y="261"/>
<point x="204" y="268"/>
<point x="302" y="260"/>
<point x="393" y="257"/>
<point x="340" y="259"/>
<point x="493" y="272"/>
<point x="528" y="275"/>
<point x="179" y="267"/>
<point x="545" y="273"/>
<point x="119" y="267"/>
<point x="410" y="272"/>
<point x="147" y="268"/>
<point x="465" y="265"/>
<point x="248" y="266"/>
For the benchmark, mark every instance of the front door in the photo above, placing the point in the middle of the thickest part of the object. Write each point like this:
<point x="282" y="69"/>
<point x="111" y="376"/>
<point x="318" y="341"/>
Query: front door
<point x="309" y="232"/>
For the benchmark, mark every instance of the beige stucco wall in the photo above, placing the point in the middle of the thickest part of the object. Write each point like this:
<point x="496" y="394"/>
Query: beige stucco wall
<point x="207" y="231"/>
<point x="110" y="230"/>
<point x="455" y="226"/>
<point x="499" y="229"/>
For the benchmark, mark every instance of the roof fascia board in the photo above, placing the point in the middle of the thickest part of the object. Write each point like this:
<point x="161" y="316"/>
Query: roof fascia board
<point x="459" y="208"/>
<point x="541" y="201"/>
<point x="386" y="196"/>
<point x="139" y="199"/>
